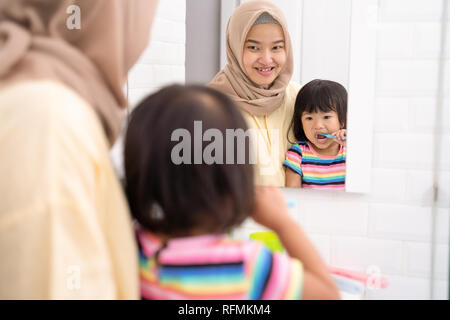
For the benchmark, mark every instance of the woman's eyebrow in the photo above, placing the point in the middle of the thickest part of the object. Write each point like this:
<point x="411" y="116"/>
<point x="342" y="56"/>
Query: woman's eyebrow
<point x="257" y="42"/>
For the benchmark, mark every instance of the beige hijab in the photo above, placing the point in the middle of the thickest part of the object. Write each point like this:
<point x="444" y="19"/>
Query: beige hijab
<point x="233" y="81"/>
<point x="36" y="43"/>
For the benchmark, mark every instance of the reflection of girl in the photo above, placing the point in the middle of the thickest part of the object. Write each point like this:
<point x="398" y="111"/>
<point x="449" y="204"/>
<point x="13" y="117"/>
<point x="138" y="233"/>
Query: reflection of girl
<point x="316" y="161"/>
<point x="65" y="229"/>
<point x="184" y="210"/>
<point x="257" y="77"/>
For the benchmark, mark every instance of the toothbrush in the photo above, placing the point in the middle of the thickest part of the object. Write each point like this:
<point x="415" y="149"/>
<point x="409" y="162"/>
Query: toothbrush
<point x="381" y="282"/>
<point x="329" y="136"/>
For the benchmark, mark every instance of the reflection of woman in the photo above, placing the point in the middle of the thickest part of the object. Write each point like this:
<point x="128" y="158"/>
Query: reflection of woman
<point x="65" y="230"/>
<point x="257" y="77"/>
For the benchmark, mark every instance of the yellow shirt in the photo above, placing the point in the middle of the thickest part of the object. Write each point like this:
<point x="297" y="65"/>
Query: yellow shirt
<point x="269" y="139"/>
<point x="65" y="228"/>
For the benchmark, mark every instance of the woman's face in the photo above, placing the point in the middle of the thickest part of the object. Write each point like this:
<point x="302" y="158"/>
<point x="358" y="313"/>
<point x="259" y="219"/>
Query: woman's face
<point x="264" y="53"/>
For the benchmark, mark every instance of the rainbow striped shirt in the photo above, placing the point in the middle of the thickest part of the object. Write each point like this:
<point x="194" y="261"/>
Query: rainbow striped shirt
<point x="215" y="267"/>
<point x="317" y="172"/>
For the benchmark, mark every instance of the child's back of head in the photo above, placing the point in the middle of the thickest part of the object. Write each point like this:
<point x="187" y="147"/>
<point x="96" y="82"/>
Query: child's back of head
<point x="171" y="188"/>
<point x="178" y="197"/>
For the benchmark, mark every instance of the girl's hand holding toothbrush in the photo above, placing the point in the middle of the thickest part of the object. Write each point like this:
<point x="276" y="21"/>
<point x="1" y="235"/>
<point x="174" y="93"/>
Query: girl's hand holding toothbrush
<point x="341" y="136"/>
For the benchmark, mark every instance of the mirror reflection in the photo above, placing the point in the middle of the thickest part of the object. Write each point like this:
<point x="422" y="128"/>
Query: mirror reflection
<point x="298" y="137"/>
<point x="317" y="159"/>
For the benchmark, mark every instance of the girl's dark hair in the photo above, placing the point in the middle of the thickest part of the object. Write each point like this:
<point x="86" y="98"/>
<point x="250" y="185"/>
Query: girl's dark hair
<point x="318" y="95"/>
<point x="175" y="199"/>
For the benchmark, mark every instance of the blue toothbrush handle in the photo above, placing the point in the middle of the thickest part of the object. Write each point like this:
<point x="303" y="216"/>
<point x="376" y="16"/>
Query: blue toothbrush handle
<point x="330" y="136"/>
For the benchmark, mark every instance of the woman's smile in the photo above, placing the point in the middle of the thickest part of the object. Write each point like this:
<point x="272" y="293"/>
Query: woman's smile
<point x="265" y="71"/>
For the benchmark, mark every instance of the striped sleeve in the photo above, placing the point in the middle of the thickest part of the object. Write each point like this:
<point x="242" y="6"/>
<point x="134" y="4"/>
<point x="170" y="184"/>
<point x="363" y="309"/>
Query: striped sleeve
<point x="294" y="159"/>
<point x="275" y="276"/>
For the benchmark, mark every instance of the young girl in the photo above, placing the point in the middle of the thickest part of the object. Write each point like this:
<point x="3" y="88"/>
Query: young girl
<point x="183" y="210"/>
<point x="317" y="161"/>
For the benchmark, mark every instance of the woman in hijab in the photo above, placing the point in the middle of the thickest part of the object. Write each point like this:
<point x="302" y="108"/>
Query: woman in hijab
<point x="257" y="77"/>
<point x="65" y="229"/>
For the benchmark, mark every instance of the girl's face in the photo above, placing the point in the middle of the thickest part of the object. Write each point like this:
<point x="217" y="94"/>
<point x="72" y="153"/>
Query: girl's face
<point x="264" y="53"/>
<point x="321" y="123"/>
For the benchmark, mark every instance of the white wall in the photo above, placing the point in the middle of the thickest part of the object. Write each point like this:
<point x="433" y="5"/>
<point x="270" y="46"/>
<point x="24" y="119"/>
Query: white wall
<point x="162" y="63"/>
<point x="391" y="226"/>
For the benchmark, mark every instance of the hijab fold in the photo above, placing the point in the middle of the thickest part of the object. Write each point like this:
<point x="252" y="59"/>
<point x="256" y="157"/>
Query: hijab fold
<point x="233" y="81"/>
<point x="36" y="44"/>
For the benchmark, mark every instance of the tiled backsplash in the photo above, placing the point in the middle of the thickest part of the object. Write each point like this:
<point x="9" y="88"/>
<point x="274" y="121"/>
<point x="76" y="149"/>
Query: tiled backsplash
<point x="162" y="63"/>
<point x="164" y="60"/>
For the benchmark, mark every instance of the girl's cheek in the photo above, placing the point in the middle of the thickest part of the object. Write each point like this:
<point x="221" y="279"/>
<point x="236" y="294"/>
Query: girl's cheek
<point x="304" y="126"/>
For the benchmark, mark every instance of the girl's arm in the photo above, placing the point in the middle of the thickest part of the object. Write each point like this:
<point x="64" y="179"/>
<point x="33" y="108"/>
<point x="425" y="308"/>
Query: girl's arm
<point x="271" y="211"/>
<point x="293" y="179"/>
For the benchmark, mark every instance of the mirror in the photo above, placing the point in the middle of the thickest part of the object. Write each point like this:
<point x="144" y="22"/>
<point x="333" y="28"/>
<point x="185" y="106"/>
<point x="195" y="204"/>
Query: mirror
<point x="314" y="27"/>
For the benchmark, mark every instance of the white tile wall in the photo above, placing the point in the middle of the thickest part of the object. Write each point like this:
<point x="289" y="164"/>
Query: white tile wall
<point x="347" y="217"/>
<point x="442" y="225"/>
<point x="392" y="221"/>
<point x="410" y="10"/>
<point x="391" y="227"/>
<point x="427" y="38"/>
<point x="162" y="63"/>
<point x="440" y="290"/>
<point x="359" y="253"/>
<point x="416" y="265"/>
<point x="422" y="114"/>
<point x="394" y="191"/>
<point x="419" y="187"/>
<point x="446" y="115"/>
<point x="395" y="41"/>
<point x="408" y="78"/>
<point x="403" y="151"/>
<point x="403" y="287"/>
<point x="392" y="115"/>
<point x="445" y="152"/>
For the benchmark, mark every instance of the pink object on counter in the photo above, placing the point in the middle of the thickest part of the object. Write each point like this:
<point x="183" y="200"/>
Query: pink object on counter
<point x="373" y="280"/>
